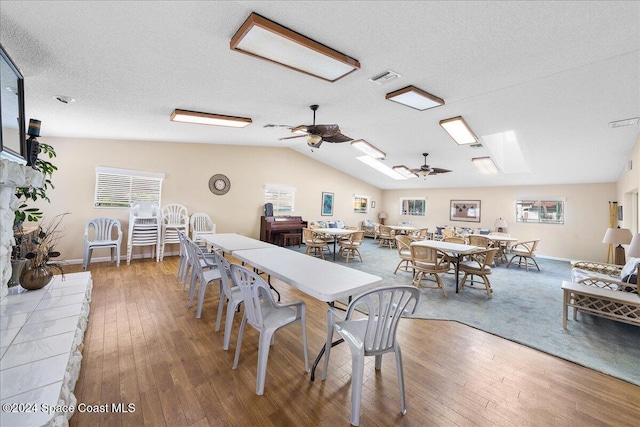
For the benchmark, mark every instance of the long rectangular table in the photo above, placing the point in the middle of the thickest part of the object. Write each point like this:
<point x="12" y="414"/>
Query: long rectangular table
<point x="455" y="249"/>
<point x="231" y="242"/>
<point x="317" y="278"/>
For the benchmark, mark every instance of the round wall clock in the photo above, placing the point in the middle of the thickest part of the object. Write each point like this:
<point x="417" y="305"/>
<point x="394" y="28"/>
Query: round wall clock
<point x="219" y="184"/>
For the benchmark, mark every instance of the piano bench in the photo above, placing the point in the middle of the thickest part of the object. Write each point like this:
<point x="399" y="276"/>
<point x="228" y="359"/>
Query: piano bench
<point x="290" y="239"/>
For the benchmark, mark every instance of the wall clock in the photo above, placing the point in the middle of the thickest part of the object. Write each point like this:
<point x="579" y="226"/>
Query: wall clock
<point x="219" y="184"/>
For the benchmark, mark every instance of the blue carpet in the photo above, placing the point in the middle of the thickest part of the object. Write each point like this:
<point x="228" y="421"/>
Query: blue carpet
<point x="526" y="308"/>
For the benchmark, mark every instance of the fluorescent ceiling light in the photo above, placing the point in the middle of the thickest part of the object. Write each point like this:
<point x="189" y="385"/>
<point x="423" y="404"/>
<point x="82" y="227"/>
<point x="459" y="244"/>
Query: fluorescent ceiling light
<point x="485" y="165"/>
<point x="369" y="149"/>
<point x="185" y="116"/>
<point x="380" y="167"/>
<point x="405" y="171"/>
<point x="416" y="98"/>
<point x="265" y="39"/>
<point x="459" y="130"/>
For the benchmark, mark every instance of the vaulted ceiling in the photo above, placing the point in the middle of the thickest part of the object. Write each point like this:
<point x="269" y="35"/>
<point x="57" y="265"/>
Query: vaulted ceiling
<point x="546" y="78"/>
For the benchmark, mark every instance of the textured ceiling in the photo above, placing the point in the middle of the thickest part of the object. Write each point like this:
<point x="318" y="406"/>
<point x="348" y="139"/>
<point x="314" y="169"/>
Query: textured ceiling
<point x="552" y="75"/>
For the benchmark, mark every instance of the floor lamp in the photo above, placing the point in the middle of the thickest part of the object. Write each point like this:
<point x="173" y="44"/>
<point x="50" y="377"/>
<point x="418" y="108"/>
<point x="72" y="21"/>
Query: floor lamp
<point x="618" y="236"/>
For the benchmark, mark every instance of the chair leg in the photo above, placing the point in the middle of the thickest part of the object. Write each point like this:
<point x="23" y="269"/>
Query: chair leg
<point x="203" y="287"/>
<point x="357" y="377"/>
<point x="403" y="405"/>
<point x="239" y="344"/>
<point x="223" y="299"/>
<point x="378" y="360"/>
<point x="263" y="356"/>
<point x="440" y="285"/>
<point x="303" y="325"/>
<point x="231" y="310"/>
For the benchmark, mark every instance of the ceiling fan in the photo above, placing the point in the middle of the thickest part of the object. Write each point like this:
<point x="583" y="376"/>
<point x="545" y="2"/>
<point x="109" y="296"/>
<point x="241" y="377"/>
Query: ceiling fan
<point x="428" y="170"/>
<point x="315" y="134"/>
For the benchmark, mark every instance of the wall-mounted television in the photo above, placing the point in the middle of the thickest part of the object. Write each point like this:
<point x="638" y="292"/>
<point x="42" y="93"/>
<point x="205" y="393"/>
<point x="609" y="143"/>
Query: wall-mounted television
<point x="12" y="137"/>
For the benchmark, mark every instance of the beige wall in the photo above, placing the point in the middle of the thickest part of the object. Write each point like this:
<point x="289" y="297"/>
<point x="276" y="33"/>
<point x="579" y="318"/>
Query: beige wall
<point x="580" y="237"/>
<point x="627" y="190"/>
<point x="188" y="168"/>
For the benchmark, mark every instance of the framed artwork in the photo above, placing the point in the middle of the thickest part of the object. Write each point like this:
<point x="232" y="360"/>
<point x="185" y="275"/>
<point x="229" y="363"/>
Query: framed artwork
<point x="327" y="204"/>
<point x="465" y="210"/>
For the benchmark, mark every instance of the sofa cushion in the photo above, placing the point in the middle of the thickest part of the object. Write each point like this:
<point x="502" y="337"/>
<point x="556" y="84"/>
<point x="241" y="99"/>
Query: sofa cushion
<point x="629" y="268"/>
<point x="333" y="225"/>
<point x="340" y="224"/>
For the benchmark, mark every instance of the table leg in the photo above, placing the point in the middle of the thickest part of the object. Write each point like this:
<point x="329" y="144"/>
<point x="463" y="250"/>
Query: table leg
<point x="320" y="354"/>
<point x="334" y="248"/>
<point x="457" y="271"/>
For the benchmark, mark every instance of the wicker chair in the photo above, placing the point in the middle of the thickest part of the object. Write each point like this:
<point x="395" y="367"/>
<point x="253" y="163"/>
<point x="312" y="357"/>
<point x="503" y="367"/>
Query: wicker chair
<point x="387" y="237"/>
<point x="429" y="261"/>
<point x="403" y="243"/>
<point x="478" y="264"/>
<point x="315" y="244"/>
<point x="351" y="246"/>
<point x="525" y="252"/>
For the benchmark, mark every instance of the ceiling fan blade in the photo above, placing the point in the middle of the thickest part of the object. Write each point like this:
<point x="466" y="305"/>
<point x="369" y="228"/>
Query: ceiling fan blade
<point x="291" y="137"/>
<point x="337" y="138"/>
<point x="324" y="130"/>
<point x="301" y="128"/>
<point x="436" y="171"/>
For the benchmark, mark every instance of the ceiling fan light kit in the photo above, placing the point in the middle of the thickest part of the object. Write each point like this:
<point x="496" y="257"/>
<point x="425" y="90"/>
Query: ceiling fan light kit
<point x="185" y="116"/>
<point x="368" y="149"/>
<point x="262" y="38"/>
<point x="459" y="130"/>
<point x="416" y="98"/>
<point x="485" y="165"/>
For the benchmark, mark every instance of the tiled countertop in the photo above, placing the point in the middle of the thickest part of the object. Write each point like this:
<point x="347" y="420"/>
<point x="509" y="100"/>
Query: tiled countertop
<point x="41" y="333"/>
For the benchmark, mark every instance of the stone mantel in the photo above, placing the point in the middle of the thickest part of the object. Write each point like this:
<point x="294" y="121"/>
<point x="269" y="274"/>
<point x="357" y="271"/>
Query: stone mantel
<point x="12" y="175"/>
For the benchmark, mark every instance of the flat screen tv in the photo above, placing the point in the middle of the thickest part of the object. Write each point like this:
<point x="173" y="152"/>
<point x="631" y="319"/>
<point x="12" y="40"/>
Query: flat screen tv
<point x="12" y="137"/>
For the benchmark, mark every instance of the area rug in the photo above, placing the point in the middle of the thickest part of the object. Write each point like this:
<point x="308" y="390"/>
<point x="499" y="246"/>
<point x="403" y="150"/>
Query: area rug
<point x="526" y="308"/>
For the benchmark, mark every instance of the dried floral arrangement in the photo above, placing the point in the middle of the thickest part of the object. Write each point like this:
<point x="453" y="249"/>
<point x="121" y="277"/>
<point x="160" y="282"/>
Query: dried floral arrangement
<point x="41" y="247"/>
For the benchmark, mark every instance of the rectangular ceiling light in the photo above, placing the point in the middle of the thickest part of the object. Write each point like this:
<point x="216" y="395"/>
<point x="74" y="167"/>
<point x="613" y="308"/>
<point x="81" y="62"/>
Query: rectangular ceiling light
<point x="380" y="167"/>
<point x="185" y="116"/>
<point x="405" y="171"/>
<point x="265" y="39"/>
<point x="459" y="130"/>
<point x="369" y="149"/>
<point x="416" y="98"/>
<point x="485" y="165"/>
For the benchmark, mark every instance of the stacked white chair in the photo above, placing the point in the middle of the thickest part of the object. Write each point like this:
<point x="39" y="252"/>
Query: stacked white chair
<point x="201" y="223"/>
<point x="107" y="234"/>
<point x="144" y="228"/>
<point x="174" y="217"/>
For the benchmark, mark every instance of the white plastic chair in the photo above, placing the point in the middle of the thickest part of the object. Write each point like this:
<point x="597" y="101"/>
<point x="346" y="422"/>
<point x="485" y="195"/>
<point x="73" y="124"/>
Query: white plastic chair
<point x="174" y="217"/>
<point x="373" y="335"/>
<point x="267" y="316"/>
<point x="107" y="234"/>
<point x="144" y="228"/>
<point x="201" y="223"/>
<point x="231" y="293"/>
<point x="203" y="270"/>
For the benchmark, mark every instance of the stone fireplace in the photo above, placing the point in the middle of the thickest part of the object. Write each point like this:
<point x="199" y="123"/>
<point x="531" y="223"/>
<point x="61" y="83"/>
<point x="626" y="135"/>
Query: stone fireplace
<point x="12" y="175"/>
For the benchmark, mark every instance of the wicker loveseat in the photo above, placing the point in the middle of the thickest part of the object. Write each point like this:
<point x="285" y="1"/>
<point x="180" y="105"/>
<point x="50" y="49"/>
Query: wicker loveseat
<point x="369" y="227"/>
<point x="599" y="289"/>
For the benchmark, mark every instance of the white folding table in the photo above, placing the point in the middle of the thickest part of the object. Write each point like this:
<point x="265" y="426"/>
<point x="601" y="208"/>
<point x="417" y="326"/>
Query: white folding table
<point x="231" y="242"/>
<point x="317" y="278"/>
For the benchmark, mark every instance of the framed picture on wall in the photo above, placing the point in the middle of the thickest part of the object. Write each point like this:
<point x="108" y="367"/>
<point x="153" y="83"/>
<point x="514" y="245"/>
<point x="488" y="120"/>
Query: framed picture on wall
<point x="327" y="204"/>
<point x="465" y="210"/>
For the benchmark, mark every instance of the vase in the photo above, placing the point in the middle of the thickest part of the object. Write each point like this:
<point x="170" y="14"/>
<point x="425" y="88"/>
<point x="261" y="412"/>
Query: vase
<point x="36" y="277"/>
<point x="17" y="265"/>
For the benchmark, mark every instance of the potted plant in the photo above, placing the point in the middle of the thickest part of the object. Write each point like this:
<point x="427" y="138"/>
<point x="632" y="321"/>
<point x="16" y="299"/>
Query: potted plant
<point x="39" y="251"/>
<point x="25" y="213"/>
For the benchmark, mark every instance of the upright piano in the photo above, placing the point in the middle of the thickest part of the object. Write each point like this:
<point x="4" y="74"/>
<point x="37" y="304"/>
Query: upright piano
<point x="272" y="226"/>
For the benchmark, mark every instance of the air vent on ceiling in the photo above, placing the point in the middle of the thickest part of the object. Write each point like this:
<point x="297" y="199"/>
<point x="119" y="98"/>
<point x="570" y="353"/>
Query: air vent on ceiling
<point x="478" y="145"/>
<point x="64" y="99"/>
<point x="385" y="77"/>
<point x="624" y="123"/>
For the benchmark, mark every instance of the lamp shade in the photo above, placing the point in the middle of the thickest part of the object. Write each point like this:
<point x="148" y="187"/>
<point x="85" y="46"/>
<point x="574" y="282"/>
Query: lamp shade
<point x="382" y="215"/>
<point x="500" y="225"/>
<point x="617" y="236"/>
<point x="634" y="248"/>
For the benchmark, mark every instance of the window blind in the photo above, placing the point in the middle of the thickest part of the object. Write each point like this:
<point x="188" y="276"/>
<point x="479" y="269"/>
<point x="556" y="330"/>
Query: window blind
<point x="122" y="188"/>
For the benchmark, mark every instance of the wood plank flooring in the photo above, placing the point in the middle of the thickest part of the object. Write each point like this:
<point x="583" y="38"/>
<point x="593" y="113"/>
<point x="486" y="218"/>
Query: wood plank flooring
<point x="144" y="346"/>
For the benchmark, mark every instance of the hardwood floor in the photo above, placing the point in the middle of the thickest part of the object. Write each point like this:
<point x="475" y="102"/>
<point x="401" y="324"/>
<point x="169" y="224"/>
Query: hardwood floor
<point x="144" y="346"/>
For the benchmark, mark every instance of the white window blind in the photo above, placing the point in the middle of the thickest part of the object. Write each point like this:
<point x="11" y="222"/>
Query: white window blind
<point x="122" y="188"/>
<point x="282" y="198"/>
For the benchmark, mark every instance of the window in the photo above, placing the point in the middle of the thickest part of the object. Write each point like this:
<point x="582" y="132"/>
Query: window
<point x="122" y="188"/>
<point x="413" y="206"/>
<point x="545" y="211"/>
<point x="281" y="198"/>
<point x="360" y="204"/>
